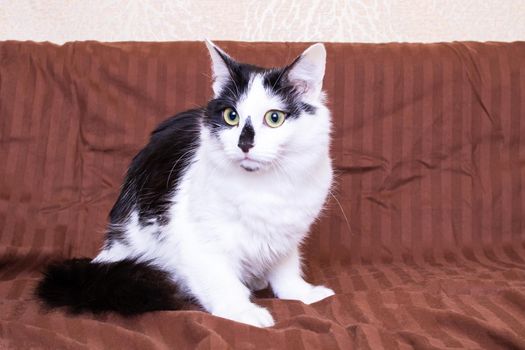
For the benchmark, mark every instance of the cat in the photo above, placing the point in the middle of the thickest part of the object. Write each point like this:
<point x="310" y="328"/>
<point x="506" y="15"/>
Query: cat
<point x="217" y="204"/>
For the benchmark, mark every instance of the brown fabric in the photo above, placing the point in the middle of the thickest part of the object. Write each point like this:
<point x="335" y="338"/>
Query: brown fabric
<point x="430" y="159"/>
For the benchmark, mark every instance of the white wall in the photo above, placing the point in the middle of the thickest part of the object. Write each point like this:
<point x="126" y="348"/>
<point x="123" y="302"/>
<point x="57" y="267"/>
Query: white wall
<point x="263" y="20"/>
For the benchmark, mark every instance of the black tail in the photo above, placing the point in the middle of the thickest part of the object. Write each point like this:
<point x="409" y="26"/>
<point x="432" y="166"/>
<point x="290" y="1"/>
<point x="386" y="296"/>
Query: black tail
<point x="127" y="287"/>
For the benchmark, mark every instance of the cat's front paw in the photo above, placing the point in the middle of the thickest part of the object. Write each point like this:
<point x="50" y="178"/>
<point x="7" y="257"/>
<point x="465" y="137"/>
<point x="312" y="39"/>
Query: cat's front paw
<point x="317" y="293"/>
<point x="305" y="292"/>
<point x="251" y="314"/>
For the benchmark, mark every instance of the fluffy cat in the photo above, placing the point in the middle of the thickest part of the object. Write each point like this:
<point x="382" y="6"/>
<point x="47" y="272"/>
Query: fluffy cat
<point x="217" y="203"/>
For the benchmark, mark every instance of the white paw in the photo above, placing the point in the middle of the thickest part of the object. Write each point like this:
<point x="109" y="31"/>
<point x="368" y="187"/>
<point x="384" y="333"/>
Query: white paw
<point x="306" y="293"/>
<point x="317" y="293"/>
<point x="251" y="314"/>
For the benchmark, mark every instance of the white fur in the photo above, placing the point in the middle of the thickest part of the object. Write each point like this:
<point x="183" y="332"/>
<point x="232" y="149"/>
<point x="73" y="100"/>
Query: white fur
<point x="231" y="229"/>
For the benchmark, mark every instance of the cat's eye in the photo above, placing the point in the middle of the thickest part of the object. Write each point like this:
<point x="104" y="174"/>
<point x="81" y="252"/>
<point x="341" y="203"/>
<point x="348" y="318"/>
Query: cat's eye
<point x="231" y="117"/>
<point x="274" y="118"/>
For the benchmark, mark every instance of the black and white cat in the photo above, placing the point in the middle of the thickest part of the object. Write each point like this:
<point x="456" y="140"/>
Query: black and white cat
<point x="218" y="202"/>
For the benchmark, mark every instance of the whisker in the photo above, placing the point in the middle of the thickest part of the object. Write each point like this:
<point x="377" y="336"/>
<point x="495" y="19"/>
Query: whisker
<point x="313" y="179"/>
<point x="342" y="211"/>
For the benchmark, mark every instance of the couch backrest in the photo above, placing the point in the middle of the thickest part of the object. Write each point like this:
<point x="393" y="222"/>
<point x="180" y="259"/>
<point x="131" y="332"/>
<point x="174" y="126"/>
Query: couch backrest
<point x="427" y="142"/>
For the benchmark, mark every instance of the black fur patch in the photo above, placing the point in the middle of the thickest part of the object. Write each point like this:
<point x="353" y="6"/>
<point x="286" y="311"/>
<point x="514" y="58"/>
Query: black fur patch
<point x="155" y="172"/>
<point x="275" y="80"/>
<point x="231" y="92"/>
<point x="127" y="287"/>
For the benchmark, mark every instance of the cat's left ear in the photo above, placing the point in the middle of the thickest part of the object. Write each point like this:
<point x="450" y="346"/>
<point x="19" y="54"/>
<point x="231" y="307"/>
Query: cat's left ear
<point x="221" y="65"/>
<point x="306" y="73"/>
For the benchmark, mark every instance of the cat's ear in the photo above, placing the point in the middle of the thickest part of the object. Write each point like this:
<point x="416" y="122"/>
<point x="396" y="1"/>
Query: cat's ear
<point x="306" y="73"/>
<point x="221" y="65"/>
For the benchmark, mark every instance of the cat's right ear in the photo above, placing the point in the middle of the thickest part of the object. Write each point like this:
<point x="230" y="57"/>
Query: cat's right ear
<point x="306" y="73"/>
<point x="221" y="65"/>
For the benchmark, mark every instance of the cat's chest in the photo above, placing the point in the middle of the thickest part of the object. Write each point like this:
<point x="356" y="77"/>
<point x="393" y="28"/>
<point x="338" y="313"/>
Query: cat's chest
<point x="278" y="207"/>
<point x="265" y="224"/>
<point x="273" y="211"/>
<point x="255" y="222"/>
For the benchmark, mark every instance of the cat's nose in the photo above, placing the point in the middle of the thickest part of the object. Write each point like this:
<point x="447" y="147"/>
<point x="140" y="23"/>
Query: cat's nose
<point x="245" y="146"/>
<point x="247" y="136"/>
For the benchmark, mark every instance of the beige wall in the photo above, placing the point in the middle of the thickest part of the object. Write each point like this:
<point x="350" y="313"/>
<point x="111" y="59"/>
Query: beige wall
<point x="263" y="20"/>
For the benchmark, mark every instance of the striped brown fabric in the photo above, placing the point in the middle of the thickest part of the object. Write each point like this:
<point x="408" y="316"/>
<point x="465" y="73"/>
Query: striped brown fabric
<point x="430" y="163"/>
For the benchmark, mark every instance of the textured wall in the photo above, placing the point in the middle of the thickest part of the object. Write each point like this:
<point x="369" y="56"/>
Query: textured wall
<point x="268" y="20"/>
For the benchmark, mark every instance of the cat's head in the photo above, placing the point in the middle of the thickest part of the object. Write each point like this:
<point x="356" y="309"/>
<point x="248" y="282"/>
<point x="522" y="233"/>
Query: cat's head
<point x="267" y="118"/>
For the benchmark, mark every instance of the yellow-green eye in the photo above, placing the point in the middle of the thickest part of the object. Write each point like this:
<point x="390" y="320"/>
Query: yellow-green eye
<point x="231" y="117"/>
<point x="274" y="118"/>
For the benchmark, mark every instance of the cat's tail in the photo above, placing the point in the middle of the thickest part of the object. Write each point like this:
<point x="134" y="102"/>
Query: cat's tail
<point x="128" y="287"/>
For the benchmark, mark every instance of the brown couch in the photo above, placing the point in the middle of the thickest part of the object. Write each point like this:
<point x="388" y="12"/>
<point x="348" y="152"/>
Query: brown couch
<point x="429" y="146"/>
